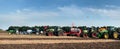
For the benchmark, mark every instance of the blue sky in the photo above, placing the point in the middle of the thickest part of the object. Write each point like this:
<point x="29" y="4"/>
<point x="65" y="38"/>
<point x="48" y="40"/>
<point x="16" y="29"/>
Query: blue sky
<point x="59" y="12"/>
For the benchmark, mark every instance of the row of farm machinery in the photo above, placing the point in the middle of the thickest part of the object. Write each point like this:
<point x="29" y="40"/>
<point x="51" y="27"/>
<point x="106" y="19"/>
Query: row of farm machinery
<point x="80" y="31"/>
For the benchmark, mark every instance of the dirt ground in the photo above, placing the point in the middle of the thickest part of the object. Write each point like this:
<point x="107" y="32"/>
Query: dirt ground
<point x="99" y="45"/>
<point x="55" y="42"/>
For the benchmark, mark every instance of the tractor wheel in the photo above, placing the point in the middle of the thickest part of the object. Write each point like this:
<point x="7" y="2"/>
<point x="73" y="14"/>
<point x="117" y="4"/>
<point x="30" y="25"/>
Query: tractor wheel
<point x="119" y="36"/>
<point x="85" y="35"/>
<point x="78" y="35"/>
<point x="37" y="33"/>
<point x="46" y="34"/>
<point x="81" y="35"/>
<point x="50" y="34"/>
<point x="99" y="35"/>
<point x="94" y="35"/>
<point x="106" y="35"/>
<point x="64" y="34"/>
<point x="115" y="35"/>
<point x="60" y="33"/>
<point x="9" y="33"/>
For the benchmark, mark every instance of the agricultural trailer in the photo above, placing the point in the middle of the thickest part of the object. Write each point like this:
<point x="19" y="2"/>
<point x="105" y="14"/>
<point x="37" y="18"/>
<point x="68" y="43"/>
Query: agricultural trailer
<point x="71" y="31"/>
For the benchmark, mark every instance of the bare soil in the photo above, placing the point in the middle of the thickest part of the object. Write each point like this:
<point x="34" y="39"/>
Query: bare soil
<point x="55" y="42"/>
<point x="99" y="45"/>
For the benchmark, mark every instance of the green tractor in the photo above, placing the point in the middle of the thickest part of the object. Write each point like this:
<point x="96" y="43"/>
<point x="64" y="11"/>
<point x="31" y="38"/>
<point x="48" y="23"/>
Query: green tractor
<point x="103" y="33"/>
<point x="94" y="32"/>
<point x="13" y="29"/>
<point x="108" y="32"/>
<point x="113" y="33"/>
<point x="50" y="31"/>
<point x="54" y="31"/>
<point x="84" y="31"/>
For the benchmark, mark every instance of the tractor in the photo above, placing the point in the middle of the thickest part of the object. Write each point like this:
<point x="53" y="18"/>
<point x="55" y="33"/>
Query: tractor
<point x="13" y="29"/>
<point x="107" y="32"/>
<point x="113" y="32"/>
<point x="36" y="30"/>
<point x="94" y="32"/>
<point x="24" y="29"/>
<point x="71" y="31"/>
<point x="85" y="31"/>
<point x="103" y="33"/>
<point x="54" y="31"/>
<point x="41" y="29"/>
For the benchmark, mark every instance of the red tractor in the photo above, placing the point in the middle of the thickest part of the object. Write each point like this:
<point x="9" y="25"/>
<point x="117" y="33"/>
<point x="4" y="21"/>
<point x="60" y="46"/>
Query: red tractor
<point x="71" y="31"/>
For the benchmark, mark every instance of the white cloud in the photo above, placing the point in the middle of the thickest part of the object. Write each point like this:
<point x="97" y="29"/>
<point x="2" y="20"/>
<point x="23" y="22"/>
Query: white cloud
<point x="112" y="6"/>
<point x="112" y="13"/>
<point x="76" y="14"/>
<point x="105" y="16"/>
<point x="71" y="10"/>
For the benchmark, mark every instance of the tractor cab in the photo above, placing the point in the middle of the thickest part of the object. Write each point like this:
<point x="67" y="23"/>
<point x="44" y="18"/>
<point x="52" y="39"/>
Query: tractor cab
<point x="111" y="29"/>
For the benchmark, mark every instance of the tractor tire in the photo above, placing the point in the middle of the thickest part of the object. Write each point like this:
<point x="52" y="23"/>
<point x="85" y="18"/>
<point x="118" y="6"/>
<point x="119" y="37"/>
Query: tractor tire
<point x="99" y="35"/>
<point x="78" y="35"/>
<point x="64" y="34"/>
<point x="37" y="33"/>
<point x="46" y="34"/>
<point x="50" y="34"/>
<point x="115" y="35"/>
<point x="106" y="35"/>
<point x="9" y="33"/>
<point x="81" y="35"/>
<point x="119" y="36"/>
<point x="85" y="35"/>
<point x="94" y="35"/>
<point x="60" y="34"/>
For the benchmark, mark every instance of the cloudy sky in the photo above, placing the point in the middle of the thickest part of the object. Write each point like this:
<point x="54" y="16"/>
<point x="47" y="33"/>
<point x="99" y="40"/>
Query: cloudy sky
<point x="59" y="12"/>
